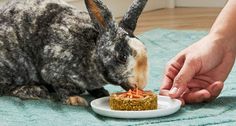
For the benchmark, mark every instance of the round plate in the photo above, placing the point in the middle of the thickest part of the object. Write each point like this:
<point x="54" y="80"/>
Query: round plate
<point x="166" y="106"/>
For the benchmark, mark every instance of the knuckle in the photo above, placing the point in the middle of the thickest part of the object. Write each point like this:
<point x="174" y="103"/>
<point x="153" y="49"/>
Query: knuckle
<point x="168" y="71"/>
<point x="167" y="68"/>
<point x="170" y="66"/>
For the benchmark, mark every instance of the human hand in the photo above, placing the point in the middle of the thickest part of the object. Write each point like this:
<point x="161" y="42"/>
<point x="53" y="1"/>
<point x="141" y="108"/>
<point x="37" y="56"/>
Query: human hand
<point x="197" y="73"/>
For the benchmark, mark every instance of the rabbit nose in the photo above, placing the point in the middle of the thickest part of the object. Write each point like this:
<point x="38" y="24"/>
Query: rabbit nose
<point x="140" y="68"/>
<point x="128" y="86"/>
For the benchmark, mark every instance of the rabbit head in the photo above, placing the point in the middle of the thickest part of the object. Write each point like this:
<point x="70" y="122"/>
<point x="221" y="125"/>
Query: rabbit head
<point x="120" y="56"/>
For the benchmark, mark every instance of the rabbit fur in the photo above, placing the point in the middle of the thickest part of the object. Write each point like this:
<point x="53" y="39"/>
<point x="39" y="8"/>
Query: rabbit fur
<point x="48" y="46"/>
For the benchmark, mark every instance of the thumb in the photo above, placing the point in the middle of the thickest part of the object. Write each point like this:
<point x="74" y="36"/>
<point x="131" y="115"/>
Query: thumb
<point x="185" y="75"/>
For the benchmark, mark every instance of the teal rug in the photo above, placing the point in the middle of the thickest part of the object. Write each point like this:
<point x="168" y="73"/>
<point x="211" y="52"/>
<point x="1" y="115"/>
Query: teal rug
<point x="162" y="45"/>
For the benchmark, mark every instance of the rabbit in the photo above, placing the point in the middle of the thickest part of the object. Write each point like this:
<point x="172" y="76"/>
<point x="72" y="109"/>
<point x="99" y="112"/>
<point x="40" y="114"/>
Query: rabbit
<point x="50" y="47"/>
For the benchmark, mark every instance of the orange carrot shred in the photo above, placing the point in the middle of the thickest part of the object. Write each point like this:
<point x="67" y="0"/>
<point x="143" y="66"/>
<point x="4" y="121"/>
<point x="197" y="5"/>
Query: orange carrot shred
<point x="135" y="93"/>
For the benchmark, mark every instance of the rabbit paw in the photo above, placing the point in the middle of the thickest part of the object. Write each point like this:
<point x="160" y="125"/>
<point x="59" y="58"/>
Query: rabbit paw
<point x="76" y="100"/>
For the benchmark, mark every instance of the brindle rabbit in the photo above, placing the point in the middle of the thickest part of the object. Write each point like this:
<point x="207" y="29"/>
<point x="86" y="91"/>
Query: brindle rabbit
<point x="48" y="46"/>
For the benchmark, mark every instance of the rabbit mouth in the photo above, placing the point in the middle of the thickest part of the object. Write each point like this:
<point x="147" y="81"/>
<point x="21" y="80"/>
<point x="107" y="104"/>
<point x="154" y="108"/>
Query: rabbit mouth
<point x="127" y="86"/>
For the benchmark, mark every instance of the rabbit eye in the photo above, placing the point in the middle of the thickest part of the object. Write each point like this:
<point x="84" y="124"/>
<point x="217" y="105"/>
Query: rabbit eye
<point x="122" y="58"/>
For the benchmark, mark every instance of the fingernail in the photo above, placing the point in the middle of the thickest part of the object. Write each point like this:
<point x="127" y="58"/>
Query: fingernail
<point x="173" y="90"/>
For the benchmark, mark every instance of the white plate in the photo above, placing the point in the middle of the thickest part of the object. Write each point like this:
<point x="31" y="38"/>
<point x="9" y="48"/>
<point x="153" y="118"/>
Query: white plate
<point x="166" y="106"/>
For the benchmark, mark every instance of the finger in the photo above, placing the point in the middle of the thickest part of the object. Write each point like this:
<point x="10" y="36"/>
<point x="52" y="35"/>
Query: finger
<point x="166" y="83"/>
<point x="198" y="83"/>
<point x="197" y="96"/>
<point x="171" y="71"/>
<point x="195" y="89"/>
<point x="165" y="87"/>
<point x="183" y="77"/>
<point x="215" y="89"/>
<point x="164" y="92"/>
<point x="182" y="101"/>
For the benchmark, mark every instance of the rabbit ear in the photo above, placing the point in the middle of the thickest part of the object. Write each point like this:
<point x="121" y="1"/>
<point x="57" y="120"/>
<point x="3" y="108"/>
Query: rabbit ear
<point x="131" y="17"/>
<point x="100" y="15"/>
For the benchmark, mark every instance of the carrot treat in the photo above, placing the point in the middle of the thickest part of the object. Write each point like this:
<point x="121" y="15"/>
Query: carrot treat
<point x="133" y="100"/>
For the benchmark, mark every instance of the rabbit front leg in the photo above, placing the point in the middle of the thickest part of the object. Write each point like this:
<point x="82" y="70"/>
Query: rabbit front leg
<point x="67" y="95"/>
<point x="66" y="91"/>
<point x="58" y="69"/>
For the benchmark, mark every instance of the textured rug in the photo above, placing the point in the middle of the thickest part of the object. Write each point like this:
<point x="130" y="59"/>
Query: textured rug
<point x="162" y="45"/>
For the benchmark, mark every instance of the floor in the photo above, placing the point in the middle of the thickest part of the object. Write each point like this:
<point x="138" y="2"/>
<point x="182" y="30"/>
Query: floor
<point x="178" y="18"/>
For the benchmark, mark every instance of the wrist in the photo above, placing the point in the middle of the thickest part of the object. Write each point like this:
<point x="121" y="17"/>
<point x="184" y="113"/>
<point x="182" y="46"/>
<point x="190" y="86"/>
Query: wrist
<point x="227" y="41"/>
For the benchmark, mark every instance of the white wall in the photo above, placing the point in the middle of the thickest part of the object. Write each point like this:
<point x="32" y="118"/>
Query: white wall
<point x="3" y="1"/>
<point x="200" y="3"/>
<point x="118" y="7"/>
